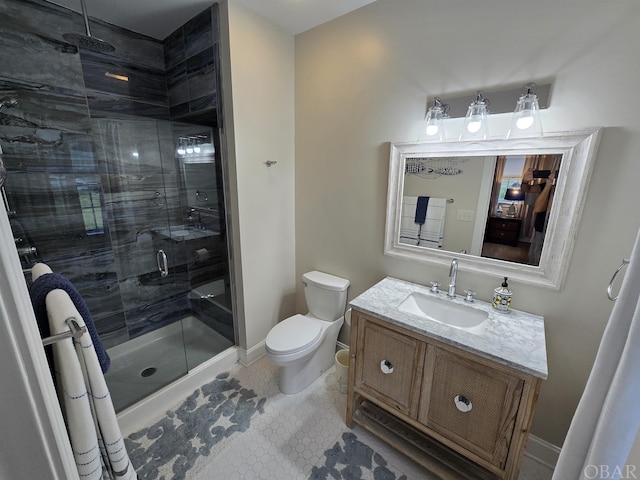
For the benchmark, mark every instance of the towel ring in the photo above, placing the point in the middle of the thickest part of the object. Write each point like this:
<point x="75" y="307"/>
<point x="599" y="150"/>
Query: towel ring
<point x="624" y="263"/>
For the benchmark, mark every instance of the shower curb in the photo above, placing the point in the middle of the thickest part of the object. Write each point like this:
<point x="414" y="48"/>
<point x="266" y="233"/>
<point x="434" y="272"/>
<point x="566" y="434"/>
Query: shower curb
<point x="137" y="416"/>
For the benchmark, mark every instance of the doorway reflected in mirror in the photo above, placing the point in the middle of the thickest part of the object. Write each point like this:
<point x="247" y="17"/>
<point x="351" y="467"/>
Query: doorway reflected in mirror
<point x="520" y="206"/>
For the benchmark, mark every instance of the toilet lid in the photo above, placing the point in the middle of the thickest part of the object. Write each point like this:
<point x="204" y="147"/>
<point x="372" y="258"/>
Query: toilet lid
<point x="293" y="334"/>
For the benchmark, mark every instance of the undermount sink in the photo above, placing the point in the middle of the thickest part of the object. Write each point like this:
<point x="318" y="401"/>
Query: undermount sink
<point x="180" y="232"/>
<point x="445" y="311"/>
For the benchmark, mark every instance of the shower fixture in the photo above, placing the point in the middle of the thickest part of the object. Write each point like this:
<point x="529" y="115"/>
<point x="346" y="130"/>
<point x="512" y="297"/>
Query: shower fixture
<point x="8" y="102"/>
<point x="87" y="41"/>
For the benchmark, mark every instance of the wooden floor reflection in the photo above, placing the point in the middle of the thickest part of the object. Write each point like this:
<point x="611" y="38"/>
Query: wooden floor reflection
<point x="519" y="254"/>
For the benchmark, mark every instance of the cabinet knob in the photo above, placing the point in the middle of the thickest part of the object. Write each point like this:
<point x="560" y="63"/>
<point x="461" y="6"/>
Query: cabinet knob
<point x="462" y="403"/>
<point x="386" y="366"/>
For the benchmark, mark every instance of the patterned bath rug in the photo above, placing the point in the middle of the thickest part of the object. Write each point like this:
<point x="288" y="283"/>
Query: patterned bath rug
<point x="170" y="448"/>
<point x="350" y="459"/>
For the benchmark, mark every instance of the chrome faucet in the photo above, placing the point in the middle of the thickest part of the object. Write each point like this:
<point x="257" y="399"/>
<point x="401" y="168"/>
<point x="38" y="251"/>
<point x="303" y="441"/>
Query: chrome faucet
<point x="453" y="273"/>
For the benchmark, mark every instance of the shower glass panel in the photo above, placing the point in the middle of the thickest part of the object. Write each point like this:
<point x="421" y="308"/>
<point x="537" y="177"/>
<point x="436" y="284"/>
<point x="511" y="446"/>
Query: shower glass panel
<point x="137" y="225"/>
<point x="108" y="189"/>
<point x="169" y="244"/>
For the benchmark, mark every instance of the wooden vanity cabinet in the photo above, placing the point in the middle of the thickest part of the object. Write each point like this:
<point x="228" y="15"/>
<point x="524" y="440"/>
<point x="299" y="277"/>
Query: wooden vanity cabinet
<point x="459" y="415"/>
<point x="389" y="368"/>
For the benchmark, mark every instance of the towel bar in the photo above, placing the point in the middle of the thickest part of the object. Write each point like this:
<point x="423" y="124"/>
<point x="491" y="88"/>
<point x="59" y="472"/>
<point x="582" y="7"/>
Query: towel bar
<point x="75" y="331"/>
<point x="615" y="274"/>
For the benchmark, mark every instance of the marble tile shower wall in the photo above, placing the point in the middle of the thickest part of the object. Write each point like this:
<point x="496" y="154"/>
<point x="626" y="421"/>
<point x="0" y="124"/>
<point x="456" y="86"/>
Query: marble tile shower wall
<point x="191" y="63"/>
<point x="91" y="160"/>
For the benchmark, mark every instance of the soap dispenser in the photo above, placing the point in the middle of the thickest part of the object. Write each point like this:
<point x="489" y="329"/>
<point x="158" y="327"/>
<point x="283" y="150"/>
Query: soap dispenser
<point x="502" y="297"/>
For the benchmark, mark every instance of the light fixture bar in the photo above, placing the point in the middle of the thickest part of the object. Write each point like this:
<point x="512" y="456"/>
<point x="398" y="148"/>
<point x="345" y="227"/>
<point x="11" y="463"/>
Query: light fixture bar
<point x="502" y="101"/>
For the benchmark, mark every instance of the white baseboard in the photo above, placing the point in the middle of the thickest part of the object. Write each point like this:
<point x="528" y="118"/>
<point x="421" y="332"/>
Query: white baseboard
<point x="341" y="346"/>
<point x="138" y="415"/>
<point x="542" y="451"/>
<point x="255" y="353"/>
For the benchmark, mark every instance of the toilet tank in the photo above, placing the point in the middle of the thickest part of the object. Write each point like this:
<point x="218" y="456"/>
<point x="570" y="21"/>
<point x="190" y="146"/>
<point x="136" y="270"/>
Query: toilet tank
<point x="326" y="295"/>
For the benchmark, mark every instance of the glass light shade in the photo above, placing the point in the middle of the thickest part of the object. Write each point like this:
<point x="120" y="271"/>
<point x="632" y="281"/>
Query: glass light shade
<point x="434" y="128"/>
<point x="476" y="123"/>
<point x="181" y="149"/>
<point x="525" y="121"/>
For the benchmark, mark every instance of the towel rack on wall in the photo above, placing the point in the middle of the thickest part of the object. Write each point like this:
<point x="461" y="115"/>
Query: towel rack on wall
<point x="74" y="331"/>
<point x="625" y="262"/>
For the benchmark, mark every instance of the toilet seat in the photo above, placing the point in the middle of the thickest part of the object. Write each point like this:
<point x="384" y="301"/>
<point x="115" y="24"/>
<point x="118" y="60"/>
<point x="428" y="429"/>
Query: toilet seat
<point x="292" y="335"/>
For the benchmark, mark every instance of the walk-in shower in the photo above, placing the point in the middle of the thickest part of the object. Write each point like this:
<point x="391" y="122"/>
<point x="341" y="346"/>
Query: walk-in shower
<point x="115" y="180"/>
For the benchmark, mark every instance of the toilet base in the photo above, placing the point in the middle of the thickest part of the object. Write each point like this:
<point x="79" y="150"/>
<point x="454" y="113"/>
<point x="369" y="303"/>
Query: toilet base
<point x="299" y="375"/>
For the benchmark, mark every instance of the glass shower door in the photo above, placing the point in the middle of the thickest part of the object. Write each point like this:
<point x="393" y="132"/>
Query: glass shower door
<point x="200" y="242"/>
<point x="140" y="192"/>
<point x="165" y="208"/>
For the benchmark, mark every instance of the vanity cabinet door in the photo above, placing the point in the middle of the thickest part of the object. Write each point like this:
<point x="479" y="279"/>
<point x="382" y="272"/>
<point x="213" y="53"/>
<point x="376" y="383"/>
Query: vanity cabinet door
<point x="470" y="404"/>
<point x="389" y="366"/>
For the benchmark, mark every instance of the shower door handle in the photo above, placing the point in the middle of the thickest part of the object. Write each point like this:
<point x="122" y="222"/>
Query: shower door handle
<point x="163" y="265"/>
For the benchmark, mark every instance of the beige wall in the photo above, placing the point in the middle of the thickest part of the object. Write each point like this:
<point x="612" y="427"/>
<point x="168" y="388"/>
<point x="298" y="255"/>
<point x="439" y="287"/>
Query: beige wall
<point x="362" y="81"/>
<point x="259" y="110"/>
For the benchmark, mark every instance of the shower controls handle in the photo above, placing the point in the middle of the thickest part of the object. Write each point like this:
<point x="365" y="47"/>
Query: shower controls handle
<point x="163" y="264"/>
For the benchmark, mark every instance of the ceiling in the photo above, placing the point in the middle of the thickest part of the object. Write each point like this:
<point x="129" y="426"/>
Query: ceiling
<point x="159" y="18"/>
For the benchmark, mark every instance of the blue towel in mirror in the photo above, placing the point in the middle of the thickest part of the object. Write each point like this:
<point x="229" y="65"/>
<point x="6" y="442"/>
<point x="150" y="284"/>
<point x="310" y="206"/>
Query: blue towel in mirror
<point x="421" y="210"/>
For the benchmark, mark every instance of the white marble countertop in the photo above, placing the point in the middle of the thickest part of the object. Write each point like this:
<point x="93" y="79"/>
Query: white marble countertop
<point x="515" y="338"/>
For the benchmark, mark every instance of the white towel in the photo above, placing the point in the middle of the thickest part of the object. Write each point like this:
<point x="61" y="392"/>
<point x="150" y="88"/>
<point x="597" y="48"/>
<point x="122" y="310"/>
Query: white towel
<point x="409" y="229"/>
<point x="432" y="233"/>
<point x="38" y="270"/>
<point x="94" y="433"/>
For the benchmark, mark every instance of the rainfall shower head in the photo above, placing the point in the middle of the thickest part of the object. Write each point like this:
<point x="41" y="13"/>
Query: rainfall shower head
<point x="87" y="41"/>
<point x="8" y="102"/>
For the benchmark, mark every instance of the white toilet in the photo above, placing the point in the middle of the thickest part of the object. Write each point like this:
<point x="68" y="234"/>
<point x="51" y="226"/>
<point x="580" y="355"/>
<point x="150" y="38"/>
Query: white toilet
<point x="304" y="346"/>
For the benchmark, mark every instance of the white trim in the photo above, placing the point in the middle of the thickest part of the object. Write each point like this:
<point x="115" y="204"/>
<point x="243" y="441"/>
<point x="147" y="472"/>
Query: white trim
<point x="542" y="451"/>
<point x="484" y="198"/>
<point x="138" y="416"/>
<point x="252" y="355"/>
<point x="341" y="346"/>
<point x="26" y="378"/>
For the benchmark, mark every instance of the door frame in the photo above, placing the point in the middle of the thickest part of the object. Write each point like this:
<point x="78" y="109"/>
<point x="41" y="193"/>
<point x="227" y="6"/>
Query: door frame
<point x="36" y="422"/>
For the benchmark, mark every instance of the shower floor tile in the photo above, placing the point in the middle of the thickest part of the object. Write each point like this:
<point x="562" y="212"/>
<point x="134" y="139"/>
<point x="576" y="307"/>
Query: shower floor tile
<point x="303" y="436"/>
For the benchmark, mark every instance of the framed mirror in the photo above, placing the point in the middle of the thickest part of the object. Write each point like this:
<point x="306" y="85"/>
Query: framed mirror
<point x="502" y="207"/>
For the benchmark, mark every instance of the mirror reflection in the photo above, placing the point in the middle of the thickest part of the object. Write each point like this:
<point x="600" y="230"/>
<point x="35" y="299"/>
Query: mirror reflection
<point x="494" y="206"/>
<point x="503" y="207"/>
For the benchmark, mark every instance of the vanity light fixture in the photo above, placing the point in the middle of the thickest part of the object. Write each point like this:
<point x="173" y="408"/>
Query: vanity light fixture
<point x="525" y="121"/>
<point x="532" y="98"/>
<point x="475" y="122"/>
<point x="434" y="128"/>
<point x="195" y="146"/>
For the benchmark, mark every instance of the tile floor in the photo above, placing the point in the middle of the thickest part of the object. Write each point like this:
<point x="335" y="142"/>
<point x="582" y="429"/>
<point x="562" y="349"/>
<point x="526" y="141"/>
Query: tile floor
<point x="298" y="436"/>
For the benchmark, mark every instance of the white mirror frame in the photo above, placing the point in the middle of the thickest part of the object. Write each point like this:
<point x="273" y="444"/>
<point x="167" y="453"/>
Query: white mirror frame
<point x="578" y="151"/>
